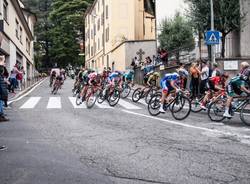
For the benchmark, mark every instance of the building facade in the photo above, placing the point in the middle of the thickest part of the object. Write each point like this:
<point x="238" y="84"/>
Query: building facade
<point x="16" y="29"/>
<point x="112" y="25"/>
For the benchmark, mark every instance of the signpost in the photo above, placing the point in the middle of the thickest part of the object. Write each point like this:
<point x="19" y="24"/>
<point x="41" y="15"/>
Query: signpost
<point x="213" y="38"/>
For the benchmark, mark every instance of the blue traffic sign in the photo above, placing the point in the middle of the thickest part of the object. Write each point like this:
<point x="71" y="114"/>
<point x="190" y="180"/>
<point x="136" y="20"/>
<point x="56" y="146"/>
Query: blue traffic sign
<point x="212" y="37"/>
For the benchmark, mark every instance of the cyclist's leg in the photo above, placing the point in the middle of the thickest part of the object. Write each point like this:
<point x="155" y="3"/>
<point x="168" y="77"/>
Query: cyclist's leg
<point x="231" y="94"/>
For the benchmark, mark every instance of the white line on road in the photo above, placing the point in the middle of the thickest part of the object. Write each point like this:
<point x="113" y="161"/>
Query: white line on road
<point x="73" y="101"/>
<point x="54" y="103"/>
<point x="31" y="103"/>
<point x="190" y="126"/>
<point x="128" y="105"/>
<point x="37" y="85"/>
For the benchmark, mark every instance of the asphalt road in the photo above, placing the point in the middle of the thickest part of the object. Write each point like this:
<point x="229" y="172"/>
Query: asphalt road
<point x="51" y="142"/>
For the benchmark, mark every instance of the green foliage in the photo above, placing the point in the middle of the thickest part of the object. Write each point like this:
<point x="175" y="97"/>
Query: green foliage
<point x="58" y="31"/>
<point x="226" y="12"/>
<point x="176" y="34"/>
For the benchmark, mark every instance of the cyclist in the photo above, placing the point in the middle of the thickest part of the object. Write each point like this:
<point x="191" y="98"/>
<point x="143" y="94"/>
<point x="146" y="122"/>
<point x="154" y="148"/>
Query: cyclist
<point x="52" y="77"/>
<point x="169" y="83"/>
<point x="129" y="77"/>
<point x="237" y="87"/>
<point x="115" y="77"/>
<point x="79" y="78"/>
<point x="152" y="80"/>
<point x="87" y="80"/>
<point x="216" y="84"/>
<point x="183" y="77"/>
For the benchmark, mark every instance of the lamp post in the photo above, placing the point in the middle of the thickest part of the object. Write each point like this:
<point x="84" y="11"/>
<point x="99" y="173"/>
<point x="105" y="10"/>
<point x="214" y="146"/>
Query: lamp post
<point x="212" y="29"/>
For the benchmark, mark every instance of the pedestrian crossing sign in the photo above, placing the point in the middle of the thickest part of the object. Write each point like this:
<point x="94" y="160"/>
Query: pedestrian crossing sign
<point x="212" y="37"/>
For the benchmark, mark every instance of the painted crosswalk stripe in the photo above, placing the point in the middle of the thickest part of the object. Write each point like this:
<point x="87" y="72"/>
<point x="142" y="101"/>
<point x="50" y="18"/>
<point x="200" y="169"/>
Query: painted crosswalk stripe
<point x="73" y="102"/>
<point x="31" y="103"/>
<point x="128" y="105"/>
<point x="54" y="103"/>
<point x="104" y="105"/>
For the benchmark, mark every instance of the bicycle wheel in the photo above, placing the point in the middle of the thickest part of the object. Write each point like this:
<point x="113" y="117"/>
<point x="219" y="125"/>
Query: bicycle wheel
<point x="154" y="105"/>
<point x="78" y="99"/>
<point x="181" y="107"/>
<point x="216" y="110"/>
<point x="90" y="99"/>
<point x="195" y="105"/>
<point x="136" y="95"/>
<point x="114" y="98"/>
<point x="245" y="114"/>
<point x="150" y="94"/>
<point x="101" y="97"/>
<point x="125" y="91"/>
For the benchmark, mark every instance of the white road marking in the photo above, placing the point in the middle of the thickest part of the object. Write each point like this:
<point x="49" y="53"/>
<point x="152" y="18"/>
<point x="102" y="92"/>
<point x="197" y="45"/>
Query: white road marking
<point x="190" y="126"/>
<point x="54" y="103"/>
<point x="73" y="102"/>
<point x="37" y="85"/>
<point x="104" y="105"/>
<point x="128" y="105"/>
<point x="30" y="103"/>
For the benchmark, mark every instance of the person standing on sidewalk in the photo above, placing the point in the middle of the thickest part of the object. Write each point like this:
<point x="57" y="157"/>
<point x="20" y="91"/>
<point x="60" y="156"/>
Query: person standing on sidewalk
<point x="3" y="91"/>
<point x="204" y="77"/>
<point x="195" y="76"/>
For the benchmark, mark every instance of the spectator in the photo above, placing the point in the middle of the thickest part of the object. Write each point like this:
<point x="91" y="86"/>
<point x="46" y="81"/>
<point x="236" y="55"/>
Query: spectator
<point x="137" y="62"/>
<point x="184" y="75"/>
<point x="195" y="74"/>
<point x="20" y="76"/>
<point x="3" y="92"/>
<point x="204" y="77"/>
<point x="164" y="56"/>
<point x="215" y="70"/>
<point x="133" y="64"/>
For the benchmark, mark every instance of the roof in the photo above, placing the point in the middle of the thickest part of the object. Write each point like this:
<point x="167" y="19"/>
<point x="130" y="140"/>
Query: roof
<point x="90" y="8"/>
<point x="20" y="14"/>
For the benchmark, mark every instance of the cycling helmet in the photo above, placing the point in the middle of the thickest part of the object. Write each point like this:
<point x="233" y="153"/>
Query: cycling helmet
<point x="182" y="73"/>
<point x="156" y="74"/>
<point x="175" y="73"/>
<point x="132" y="71"/>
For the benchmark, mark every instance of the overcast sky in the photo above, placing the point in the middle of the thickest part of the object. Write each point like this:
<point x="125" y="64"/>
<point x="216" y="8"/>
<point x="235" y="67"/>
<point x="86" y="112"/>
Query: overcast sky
<point x="167" y="8"/>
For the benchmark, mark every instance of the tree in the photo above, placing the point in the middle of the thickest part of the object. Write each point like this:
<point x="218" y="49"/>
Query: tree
<point x="67" y="30"/>
<point x="228" y="17"/>
<point x="176" y="35"/>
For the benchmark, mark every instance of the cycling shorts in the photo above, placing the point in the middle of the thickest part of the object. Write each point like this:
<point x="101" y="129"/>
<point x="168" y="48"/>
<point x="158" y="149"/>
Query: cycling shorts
<point x="166" y="87"/>
<point x="233" y="90"/>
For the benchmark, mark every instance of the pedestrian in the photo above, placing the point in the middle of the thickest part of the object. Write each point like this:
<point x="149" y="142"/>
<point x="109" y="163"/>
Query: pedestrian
<point x="215" y="70"/>
<point x="195" y="75"/>
<point x="137" y="62"/>
<point x="204" y="77"/>
<point x="3" y="92"/>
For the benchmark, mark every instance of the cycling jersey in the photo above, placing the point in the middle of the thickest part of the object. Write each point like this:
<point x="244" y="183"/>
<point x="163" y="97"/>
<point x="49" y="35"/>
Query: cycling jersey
<point x="214" y="81"/>
<point x="129" y="76"/>
<point x="92" y="78"/>
<point x="152" y="79"/>
<point x="113" y="75"/>
<point x="234" y="86"/>
<point x="166" y="82"/>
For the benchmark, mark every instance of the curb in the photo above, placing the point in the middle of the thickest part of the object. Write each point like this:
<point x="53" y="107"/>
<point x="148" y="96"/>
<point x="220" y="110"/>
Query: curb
<point x="25" y="91"/>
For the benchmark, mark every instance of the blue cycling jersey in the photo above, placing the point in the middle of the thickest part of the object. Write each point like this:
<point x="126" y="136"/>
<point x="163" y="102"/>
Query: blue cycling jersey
<point x="113" y="75"/>
<point x="167" y="79"/>
<point x="129" y="75"/>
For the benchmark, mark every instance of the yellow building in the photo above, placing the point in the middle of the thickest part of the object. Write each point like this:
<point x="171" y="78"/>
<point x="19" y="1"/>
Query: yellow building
<point x="116" y="30"/>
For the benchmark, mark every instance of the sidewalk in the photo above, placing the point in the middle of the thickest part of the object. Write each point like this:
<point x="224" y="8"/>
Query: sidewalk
<point x="18" y="93"/>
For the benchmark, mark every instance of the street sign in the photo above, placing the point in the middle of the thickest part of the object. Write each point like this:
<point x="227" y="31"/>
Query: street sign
<point x="212" y="37"/>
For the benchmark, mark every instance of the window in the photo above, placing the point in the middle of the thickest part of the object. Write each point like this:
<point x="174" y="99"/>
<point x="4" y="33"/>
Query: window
<point x="98" y="43"/>
<point x="107" y="12"/>
<point x="17" y="29"/>
<point x="102" y="2"/>
<point x="5" y="10"/>
<point x="102" y="17"/>
<point x="21" y="35"/>
<point x="28" y="45"/>
<point x="98" y="24"/>
<point x="107" y="34"/>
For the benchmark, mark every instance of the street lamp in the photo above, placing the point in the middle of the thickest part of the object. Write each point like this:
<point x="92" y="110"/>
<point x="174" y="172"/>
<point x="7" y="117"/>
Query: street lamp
<point x="212" y="29"/>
